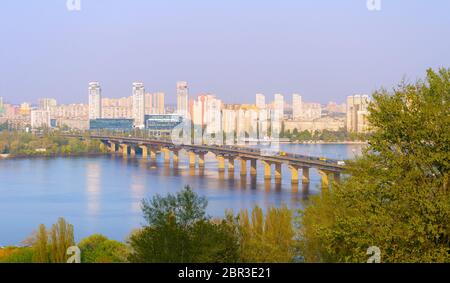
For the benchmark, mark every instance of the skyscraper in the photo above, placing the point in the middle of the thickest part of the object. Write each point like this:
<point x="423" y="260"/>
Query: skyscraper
<point x="148" y="103"/>
<point x="260" y="101"/>
<point x="138" y="104"/>
<point x="158" y="103"/>
<point x="47" y="103"/>
<point x="95" y="100"/>
<point x="277" y="115"/>
<point x="182" y="98"/>
<point x="357" y="113"/>
<point x="296" y="106"/>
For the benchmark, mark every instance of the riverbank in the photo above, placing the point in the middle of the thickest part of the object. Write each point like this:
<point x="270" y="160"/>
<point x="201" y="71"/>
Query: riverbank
<point x="55" y="155"/>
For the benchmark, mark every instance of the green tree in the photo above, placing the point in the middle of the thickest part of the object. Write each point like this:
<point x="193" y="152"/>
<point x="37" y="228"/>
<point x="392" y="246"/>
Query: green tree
<point x="186" y="206"/>
<point x="269" y="238"/>
<point x="40" y="246"/>
<point x="179" y="231"/>
<point x="62" y="238"/>
<point x="99" y="249"/>
<point x="397" y="195"/>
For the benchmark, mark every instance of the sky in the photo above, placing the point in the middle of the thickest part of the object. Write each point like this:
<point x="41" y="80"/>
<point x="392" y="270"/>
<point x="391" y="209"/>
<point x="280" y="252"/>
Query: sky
<point x="323" y="49"/>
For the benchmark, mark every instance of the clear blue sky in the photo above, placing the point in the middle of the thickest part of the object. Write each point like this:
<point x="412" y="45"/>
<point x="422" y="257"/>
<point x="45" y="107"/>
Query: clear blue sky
<point x="324" y="50"/>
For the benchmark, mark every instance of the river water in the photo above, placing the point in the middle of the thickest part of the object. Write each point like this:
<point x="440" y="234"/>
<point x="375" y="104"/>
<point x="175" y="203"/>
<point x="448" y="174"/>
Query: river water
<point x="104" y="194"/>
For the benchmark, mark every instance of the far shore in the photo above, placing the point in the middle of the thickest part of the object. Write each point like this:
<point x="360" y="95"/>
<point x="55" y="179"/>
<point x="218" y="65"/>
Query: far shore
<point x="24" y="156"/>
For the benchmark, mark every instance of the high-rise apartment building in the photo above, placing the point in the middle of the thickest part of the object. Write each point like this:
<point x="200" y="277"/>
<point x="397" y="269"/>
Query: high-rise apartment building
<point x="260" y="101"/>
<point x="138" y="105"/>
<point x="70" y="111"/>
<point x="158" y="103"/>
<point x="297" y="107"/>
<point x="182" y="98"/>
<point x="212" y="115"/>
<point x="118" y="108"/>
<point x="40" y="119"/>
<point x="95" y="100"/>
<point x="148" y="103"/>
<point x="357" y="113"/>
<point x="278" y="103"/>
<point x="47" y="103"/>
<point x="311" y="111"/>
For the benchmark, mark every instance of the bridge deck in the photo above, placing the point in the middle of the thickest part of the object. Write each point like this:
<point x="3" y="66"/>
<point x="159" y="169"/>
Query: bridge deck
<point x="296" y="160"/>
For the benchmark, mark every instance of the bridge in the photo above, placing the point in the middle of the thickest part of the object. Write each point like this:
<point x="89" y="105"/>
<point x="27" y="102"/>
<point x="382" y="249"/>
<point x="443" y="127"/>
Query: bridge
<point x="329" y="169"/>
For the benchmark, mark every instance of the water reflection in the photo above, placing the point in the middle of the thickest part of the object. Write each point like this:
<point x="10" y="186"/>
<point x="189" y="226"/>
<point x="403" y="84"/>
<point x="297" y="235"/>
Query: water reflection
<point x="93" y="187"/>
<point x="138" y="188"/>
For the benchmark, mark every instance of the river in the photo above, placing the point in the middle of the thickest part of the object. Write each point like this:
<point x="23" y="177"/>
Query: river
<point x="103" y="194"/>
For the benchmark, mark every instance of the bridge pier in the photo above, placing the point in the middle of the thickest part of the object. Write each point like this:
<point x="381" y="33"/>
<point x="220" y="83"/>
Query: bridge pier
<point x="192" y="158"/>
<point x="243" y="167"/>
<point x="144" y="151"/>
<point x="124" y="148"/>
<point x="294" y="174"/>
<point x="201" y="160"/>
<point x="231" y="166"/>
<point x="267" y="170"/>
<point x="112" y="147"/>
<point x="325" y="179"/>
<point x="166" y="153"/>
<point x="221" y="163"/>
<point x="176" y="155"/>
<point x="305" y="175"/>
<point x="253" y="167"/>
<point x="132" y="151"/>
<point x="278" y="172"/>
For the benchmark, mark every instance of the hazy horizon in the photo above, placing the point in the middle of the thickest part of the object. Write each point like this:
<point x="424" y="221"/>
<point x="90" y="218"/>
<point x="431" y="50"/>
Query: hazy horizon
<point x="324" y="50"/>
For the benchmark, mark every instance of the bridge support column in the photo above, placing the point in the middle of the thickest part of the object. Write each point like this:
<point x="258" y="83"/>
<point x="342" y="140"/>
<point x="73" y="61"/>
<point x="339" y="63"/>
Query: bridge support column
<point x="192" y="158"/>
<point x="325" y="179"/>
<point x="133" y="151"/>
<point x="278" y="172"/>
<point x="230" y="165"/>
<point x="144" y="151"/>
<point x="112" y="147"/>
<point x="175" y="158"/>
<point x="294" y="174"/>
<point x="253" y="167"/>
<point x="243" y="167"/>
<point x="267" y="170"/>
<point x="166" y="153"/>
<point x="305" y="175"/>
<point x="201" y="160"/>
<point x="124" y="149"/>
<point x="221" y="165"/>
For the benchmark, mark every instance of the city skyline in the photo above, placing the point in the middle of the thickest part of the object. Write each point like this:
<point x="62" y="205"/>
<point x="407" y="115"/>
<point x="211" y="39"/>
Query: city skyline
<point x="287" y="47"/>
<point x="173" y="98"/>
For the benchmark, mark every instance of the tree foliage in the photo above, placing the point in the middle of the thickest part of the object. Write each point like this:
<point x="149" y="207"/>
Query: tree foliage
<point x="20" y="143"/>
<point x="397" y="196"/>
<point x="99" y="249"/>
<point x="179" y="231"/>
<point x="269" y="238"/>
